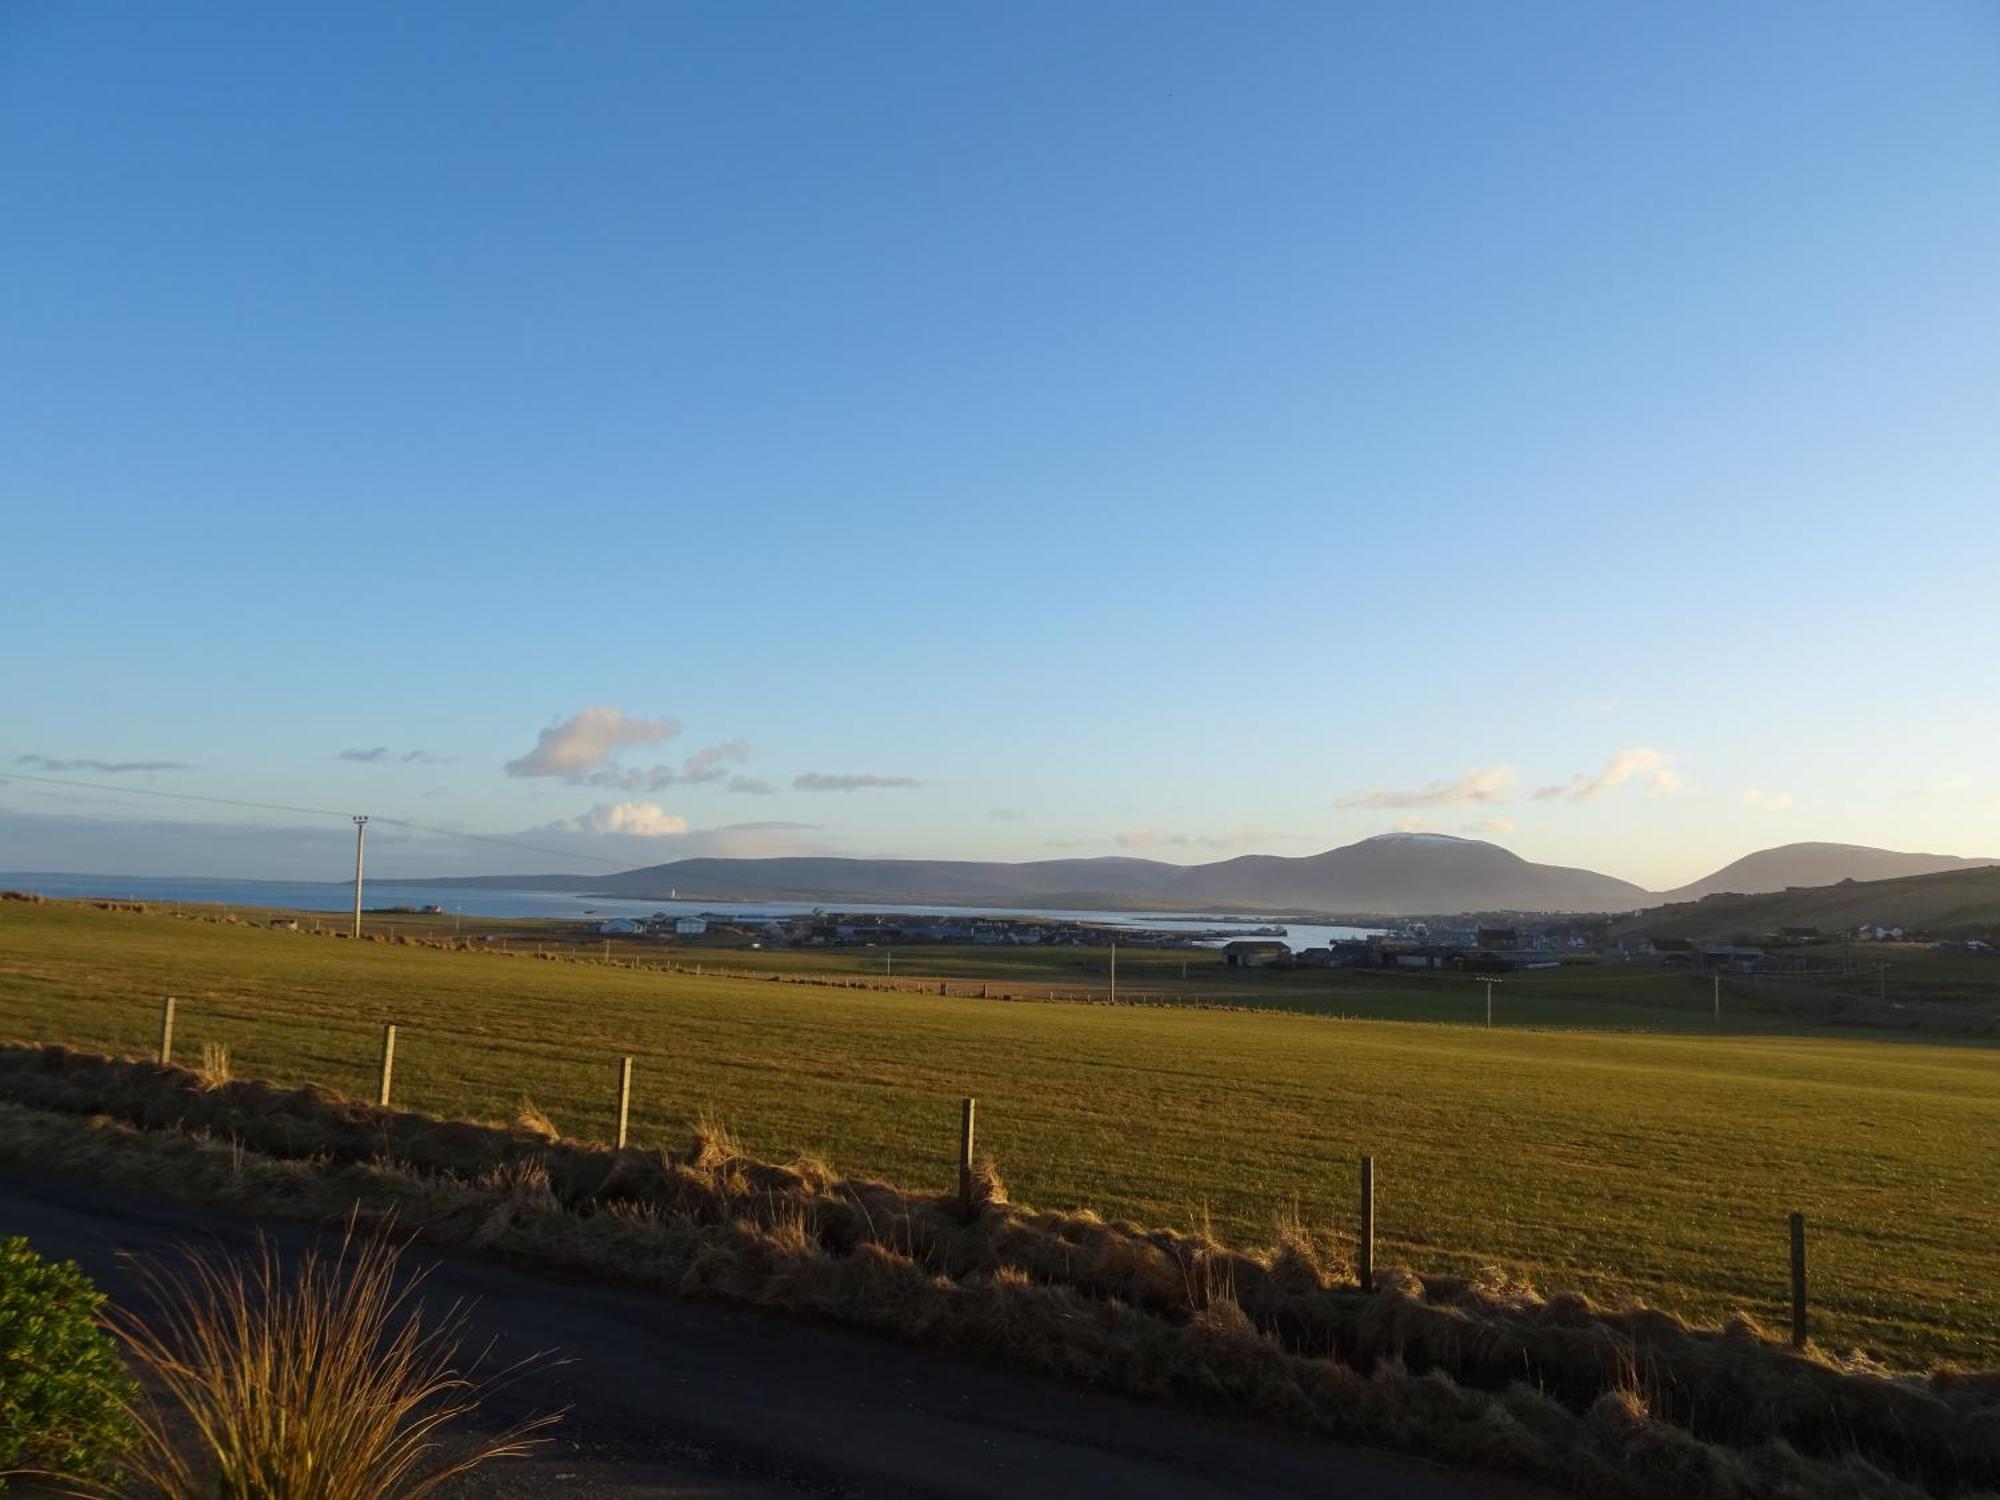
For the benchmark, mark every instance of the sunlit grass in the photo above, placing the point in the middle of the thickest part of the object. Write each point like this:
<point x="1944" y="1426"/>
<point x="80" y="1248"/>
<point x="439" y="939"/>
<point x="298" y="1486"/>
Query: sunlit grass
<point x="1656" y="1165"/>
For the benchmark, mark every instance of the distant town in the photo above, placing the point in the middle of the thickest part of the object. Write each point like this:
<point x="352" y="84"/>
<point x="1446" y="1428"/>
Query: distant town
<point x="1477" y="947"/>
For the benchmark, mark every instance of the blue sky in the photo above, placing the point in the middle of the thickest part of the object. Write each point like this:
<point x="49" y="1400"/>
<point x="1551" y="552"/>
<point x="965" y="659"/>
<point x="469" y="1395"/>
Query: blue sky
<point x="1178" y="429"/>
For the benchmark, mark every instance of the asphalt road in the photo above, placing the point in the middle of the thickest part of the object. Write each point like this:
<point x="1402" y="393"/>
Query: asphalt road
<point x="676" y="1398"/>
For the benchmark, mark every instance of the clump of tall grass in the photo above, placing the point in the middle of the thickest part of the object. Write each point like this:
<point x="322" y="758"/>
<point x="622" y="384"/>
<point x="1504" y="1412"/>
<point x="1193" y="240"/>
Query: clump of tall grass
<point x="986" y="1184"/>
<point x="532" y="1119"/>
<point x="318" y="1381"/>
<point x="214" y="1071"/>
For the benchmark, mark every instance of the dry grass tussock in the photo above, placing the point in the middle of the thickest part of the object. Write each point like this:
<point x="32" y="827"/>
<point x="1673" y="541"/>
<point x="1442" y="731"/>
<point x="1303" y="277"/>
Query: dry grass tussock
<point x="1629" y="1402"/>
<point x="316" y="1381"/>
<point x="534" y="1122"/>
<point x="214" y="1071"/>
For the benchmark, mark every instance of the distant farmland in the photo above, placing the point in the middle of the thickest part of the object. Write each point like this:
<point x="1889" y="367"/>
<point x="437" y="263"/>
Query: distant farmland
<point x="1949" y="902"/>
<point x="1660" y="1166"/>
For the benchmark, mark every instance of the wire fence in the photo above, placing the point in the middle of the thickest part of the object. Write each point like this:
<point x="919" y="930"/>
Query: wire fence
<point x="379" y="1063"/>
<point x="469" y="1066"/>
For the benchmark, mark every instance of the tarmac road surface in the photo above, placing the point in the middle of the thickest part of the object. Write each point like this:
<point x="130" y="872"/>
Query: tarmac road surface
<point x="675" y="1398"/>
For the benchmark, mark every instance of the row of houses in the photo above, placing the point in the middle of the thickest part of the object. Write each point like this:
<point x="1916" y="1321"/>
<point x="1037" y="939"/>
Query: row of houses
<point x="1388" y="953"/>
<point x="822" y="929"/>
<point x="659" y="924"/>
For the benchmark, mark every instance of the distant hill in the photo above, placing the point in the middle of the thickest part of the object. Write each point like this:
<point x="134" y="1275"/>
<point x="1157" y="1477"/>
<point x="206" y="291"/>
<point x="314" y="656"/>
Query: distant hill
<point x="1947" y="903"/>
<point x="1396" y="874"/>
<point x="1400" y="874"/>
<point x="1817" y="865"/>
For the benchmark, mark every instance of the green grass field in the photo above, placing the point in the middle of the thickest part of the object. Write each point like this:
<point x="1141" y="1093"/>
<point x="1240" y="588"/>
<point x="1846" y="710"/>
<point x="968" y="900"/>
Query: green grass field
<point x="1658" y="1165"/>
<point x="1594" y="996"/>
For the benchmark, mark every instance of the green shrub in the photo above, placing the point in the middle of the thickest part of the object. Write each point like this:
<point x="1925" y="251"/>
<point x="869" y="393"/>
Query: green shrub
<point x="64" y="1393"/>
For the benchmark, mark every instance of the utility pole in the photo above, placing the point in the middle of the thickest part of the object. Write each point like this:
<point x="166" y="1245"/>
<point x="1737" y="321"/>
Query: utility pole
<point x="1114" y="973"/>
<point x="889" y="961"/>
<point x="1489" y="1002"/>
<point x="1718" y="998"/>
<point x="360" y="836"/>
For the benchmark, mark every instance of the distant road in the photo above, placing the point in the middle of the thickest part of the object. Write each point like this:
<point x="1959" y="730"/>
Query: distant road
<point x="672" y="1398"/>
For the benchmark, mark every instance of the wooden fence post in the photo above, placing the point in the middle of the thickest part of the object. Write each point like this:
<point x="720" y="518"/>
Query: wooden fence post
<point x="965" y="1159"/>
<point x="167" y="1031"/>
<point x="1364" y="1258"/>
<point x="388" y="1064"/>
<point x="624" y="1099"/>
<point x="1798" y="1281"/>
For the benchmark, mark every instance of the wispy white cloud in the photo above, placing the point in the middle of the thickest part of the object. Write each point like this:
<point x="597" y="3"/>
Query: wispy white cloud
<point x="110" y="767"/>
<point x="645" y="820"/>
<point x="1763" y="801"/>
<point x="1648" y="767"/>
<point x="381" y="755"/>
<point x="587" y="741"/>
<point x="1491" y="826"/>
<point x="1950" y="786"/>
<point x="712" y="762"/>
<point x="855" y="781"/>
<point x="583" y="750"/>
<point x="770" y="839"/>
<point x="1475" y="786"/>
<point x="1129" y="839"/>
<point x="751" y="786"/>
<point x="1133" y="839"/>
<point x="646" y="833"/>
<point x="602" y="828"/>
<point x="1247" y="838"/>
<point x="1006" y="815"/>
<point x="704" y="765"/>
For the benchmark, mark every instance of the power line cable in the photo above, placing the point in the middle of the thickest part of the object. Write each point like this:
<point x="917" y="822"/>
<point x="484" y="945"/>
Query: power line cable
<point x="495" y="839"/>
<point x="144" y="791"/>
<point x="315" y="812"/>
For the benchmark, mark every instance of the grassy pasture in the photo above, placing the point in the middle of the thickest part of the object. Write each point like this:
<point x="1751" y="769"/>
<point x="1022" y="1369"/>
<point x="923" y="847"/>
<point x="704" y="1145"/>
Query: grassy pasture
<point x="1588" y="996"/>
<point x="1609" y="995"/>
<point x="1656" y="1165"/>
